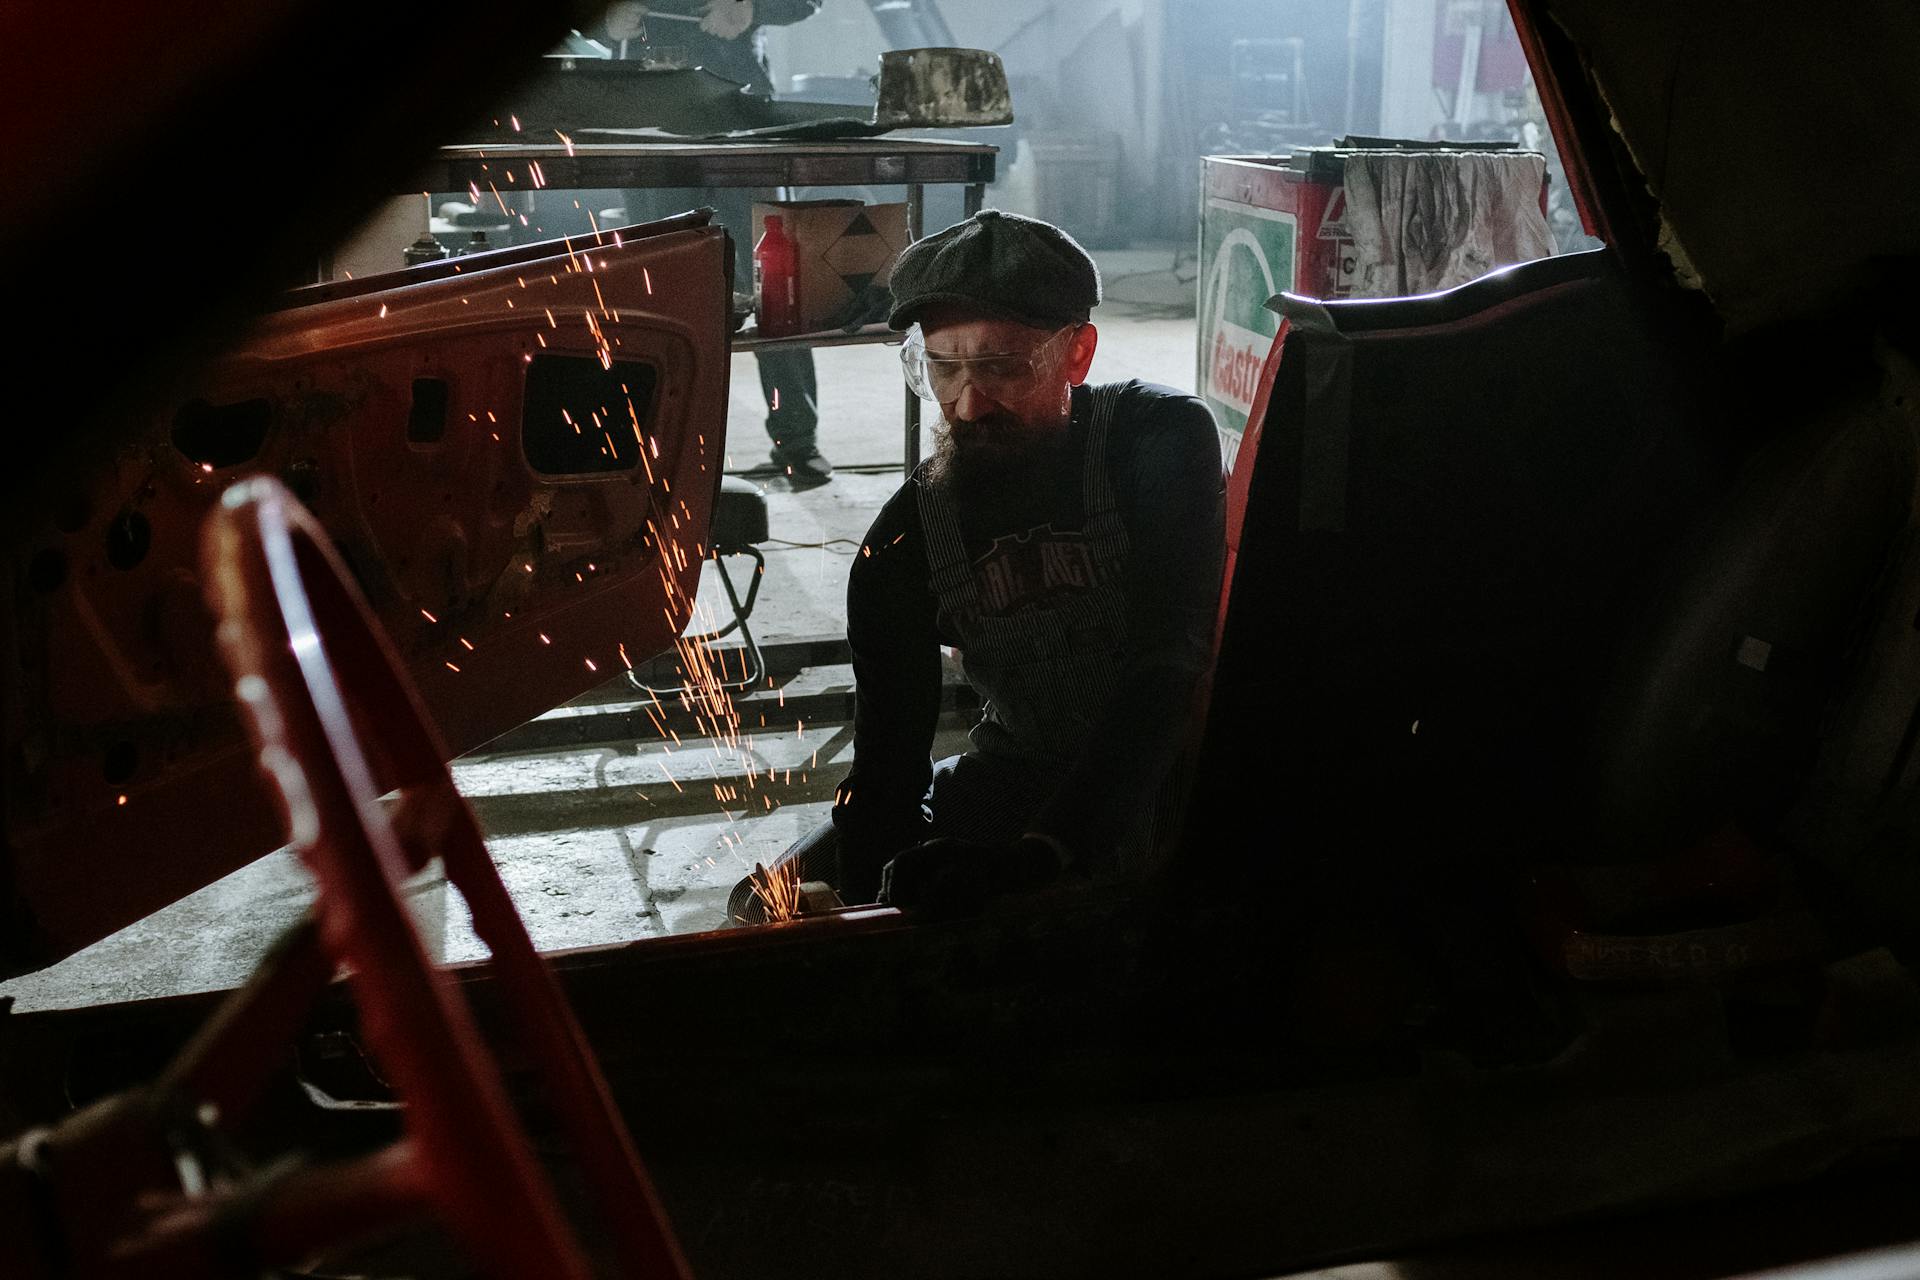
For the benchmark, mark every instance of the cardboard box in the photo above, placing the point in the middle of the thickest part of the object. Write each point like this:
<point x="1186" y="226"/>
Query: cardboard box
<point x="847" y="250"/>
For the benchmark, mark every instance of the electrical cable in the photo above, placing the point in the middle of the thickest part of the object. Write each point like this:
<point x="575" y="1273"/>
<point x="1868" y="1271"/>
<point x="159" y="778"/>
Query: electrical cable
<point x="851" y="468"/>
<point x="828" y="545"/>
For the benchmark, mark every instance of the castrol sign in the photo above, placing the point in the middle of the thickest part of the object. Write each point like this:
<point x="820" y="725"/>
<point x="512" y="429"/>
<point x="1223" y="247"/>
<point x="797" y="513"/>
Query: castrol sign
<point x="1247" y="256"/>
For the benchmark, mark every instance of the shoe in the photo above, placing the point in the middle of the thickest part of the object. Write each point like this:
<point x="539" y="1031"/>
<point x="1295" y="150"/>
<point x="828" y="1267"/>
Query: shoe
<point x="806" y="467"/>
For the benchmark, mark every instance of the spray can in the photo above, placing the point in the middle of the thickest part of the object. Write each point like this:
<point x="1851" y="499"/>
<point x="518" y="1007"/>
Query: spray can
<point x="776" y="280"/>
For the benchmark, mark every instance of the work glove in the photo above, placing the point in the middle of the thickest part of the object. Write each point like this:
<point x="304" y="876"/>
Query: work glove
<point x="950" y="877"/>
<point x="625" y="20"/>
<point x="727" y="19"/>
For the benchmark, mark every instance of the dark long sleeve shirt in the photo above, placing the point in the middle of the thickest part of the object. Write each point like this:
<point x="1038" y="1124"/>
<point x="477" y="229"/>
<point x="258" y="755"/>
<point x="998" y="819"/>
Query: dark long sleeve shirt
<point x="1164" y="463"/>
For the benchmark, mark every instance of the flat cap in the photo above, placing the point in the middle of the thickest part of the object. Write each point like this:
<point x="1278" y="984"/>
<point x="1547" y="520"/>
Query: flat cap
<point x="1001" y="264"/>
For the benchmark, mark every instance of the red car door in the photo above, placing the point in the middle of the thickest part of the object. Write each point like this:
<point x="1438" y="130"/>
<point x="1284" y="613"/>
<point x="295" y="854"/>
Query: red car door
<point x="516" y="453"/>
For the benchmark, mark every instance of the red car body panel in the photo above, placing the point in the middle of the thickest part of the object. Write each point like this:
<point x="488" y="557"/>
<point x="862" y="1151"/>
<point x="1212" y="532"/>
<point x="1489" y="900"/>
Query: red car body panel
<point x="507" y="590"/>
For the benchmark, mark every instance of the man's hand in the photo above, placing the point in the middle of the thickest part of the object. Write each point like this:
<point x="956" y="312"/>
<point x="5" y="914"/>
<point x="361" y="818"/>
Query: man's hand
<point x="626" y="20"/>
<point x="727" y="19"/>
<point x="949" y="877"/>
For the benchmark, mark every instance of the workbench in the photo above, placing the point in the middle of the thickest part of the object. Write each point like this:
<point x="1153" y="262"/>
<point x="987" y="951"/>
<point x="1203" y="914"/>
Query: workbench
<point x="638" y="159"/>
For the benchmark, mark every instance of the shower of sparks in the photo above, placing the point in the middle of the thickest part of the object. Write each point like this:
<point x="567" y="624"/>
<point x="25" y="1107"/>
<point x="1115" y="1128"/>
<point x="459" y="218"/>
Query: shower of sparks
<point x="709" y="681"/>
<point x="778" y="889"/>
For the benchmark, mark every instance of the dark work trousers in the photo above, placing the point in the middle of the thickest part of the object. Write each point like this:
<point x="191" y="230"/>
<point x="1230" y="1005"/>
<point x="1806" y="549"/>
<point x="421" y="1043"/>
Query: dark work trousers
<point x="973" y="797"/>
<point x="793" y="398"/>
<point x="787" y="379"/>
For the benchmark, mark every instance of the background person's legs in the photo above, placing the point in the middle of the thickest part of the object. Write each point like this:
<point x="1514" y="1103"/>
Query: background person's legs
<point x="792" y="390"/>
<point x="787" y="378"/>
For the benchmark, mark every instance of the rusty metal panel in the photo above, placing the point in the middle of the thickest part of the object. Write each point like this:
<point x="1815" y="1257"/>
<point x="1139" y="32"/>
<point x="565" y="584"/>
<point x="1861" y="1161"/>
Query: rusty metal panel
<point x="515" y="561"/>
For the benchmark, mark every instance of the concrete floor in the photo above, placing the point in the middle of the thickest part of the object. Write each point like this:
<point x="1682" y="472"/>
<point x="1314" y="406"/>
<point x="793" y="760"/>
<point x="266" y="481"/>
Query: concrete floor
<point x="614" y="841"/>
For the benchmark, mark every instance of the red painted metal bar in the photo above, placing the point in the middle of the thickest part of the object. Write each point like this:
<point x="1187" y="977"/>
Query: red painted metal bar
<point x="1553" y="100"/>
<point x="283" y="1222"/>
<point x="336" y="724"/>
<point x="553" y="1041"/>
<point x="232" y="1056"/>
<point x="309" y="1209"/>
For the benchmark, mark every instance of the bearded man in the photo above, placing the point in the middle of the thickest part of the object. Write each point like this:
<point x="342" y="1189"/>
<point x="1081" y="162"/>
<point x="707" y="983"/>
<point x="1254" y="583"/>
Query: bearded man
<point x="1067" y="540"/>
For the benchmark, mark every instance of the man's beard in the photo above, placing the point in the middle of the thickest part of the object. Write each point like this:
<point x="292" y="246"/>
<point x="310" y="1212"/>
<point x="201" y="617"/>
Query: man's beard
<point x="988" y="456"/>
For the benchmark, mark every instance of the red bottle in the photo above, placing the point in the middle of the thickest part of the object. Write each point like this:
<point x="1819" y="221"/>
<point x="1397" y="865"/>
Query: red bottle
<point x="776" y="280"/>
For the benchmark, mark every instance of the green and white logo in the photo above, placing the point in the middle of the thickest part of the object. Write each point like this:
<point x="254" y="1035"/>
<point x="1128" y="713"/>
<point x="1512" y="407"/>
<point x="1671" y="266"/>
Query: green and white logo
<point x="1249" y="254"/>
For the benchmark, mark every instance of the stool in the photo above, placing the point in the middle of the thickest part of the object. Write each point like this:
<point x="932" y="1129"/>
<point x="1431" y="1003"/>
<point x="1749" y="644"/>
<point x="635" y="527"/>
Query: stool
<point x="739" y="522"/>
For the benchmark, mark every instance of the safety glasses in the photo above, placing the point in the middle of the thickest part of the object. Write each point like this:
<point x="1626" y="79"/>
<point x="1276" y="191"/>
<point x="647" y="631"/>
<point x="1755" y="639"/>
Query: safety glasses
<point x="998" y="375"/>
